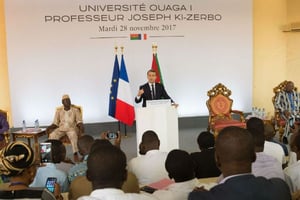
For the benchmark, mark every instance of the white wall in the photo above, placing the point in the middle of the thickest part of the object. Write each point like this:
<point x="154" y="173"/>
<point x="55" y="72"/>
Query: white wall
<point x="48" y="59"/>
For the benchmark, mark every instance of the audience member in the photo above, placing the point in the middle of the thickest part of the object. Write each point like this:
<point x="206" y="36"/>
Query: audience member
<point x="17" y="161"/>
<point x="149" y="167"/>
<point x="59" y="158"/>
<point x="264" y="165"/>
<point x="293" y="171"/>
<point x="179" y="166"/>
<point x="85" y="143"/>
<point x="107" y="172"/>
<point x="234" y="156"/>
<point x="67" y="121"/>
<point x="269" y="136"/>
<point x="204" y="161"/>
<point x="288" y="103"/>
<point x="80" y="185"/>
<point x="50" y="170"/>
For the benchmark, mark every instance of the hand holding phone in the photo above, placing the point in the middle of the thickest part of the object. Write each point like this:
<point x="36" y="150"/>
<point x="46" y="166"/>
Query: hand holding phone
<point x="50" y="183"/>
<point x="45" y="152"/>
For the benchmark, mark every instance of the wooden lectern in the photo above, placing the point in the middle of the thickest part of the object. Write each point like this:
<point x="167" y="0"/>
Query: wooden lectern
<point x="162" y="118"/>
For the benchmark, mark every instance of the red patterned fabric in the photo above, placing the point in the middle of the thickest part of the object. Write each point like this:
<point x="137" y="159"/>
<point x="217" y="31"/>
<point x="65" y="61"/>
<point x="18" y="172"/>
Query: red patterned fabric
<point x="220" y="105"/>
<point x="220" y="124"/>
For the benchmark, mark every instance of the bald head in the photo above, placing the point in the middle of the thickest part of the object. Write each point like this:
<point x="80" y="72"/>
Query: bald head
<point x="234" y="151"/>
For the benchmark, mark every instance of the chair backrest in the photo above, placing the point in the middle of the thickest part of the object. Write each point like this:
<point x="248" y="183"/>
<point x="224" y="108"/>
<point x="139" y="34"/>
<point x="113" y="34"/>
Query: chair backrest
<point x="279" y="88"/>
<point x="219" y="104"/>
<point x="276" y="90"/>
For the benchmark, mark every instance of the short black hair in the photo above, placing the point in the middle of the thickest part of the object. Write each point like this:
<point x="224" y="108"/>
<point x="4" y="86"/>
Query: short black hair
<point x="257" y="129"/>
<point x="106" y="166"/>
<point x="206" y="140"/>
<point x="57" y="150"/>
<point x="179" y="165"/>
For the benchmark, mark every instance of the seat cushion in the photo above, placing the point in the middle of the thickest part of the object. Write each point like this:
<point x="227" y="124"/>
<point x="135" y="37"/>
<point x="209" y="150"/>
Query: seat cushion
<point x="222" y="123"/>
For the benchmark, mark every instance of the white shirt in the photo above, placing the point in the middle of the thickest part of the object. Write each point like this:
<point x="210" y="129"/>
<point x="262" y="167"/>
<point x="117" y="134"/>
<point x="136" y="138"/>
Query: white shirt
<point x="275" y="150"/>
<point x="267" y="166"/>
<point x="177" y="191"/>
<point x="115" y="194"/>
<point x="149" y="168"/>
<point x="293" y="172"/>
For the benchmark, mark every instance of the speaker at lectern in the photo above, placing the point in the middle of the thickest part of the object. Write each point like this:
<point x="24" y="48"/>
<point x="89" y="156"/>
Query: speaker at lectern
<point x="160" y="117"/>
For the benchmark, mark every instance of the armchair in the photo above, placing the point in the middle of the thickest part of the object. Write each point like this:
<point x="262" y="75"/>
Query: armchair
<point x="65" y="139"/>
<point x="220" y="110"/>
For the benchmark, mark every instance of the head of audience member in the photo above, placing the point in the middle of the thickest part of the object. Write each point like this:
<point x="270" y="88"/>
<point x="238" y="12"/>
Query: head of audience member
<point x="66" y="101"/>
<point x="179" y="165"/>
<point x="234" y="151"/>
<point x="18" y="162"/>
<point x="269" y="132"/>
<point x="289" y="87"/>
<point x="150" y="141"/>
<point x="151" y="76"/>
<point x="84" y="144"/>
<point x="206" y="140"/>
<point x="106" y="167"/>
<point x="257" y="128"/>
<point x="296" y="146"/>
<point x="58" y="150"/>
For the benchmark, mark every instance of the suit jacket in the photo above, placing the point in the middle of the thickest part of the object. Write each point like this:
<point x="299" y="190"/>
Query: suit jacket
<point x="205" y="163"/>
<point x="246" y="187"/>
<point x="160" y="93"/>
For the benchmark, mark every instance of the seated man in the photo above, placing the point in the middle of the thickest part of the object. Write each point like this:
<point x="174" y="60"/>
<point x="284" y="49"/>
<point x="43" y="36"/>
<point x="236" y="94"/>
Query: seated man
<point x="67" y="121"/>
<point x="234" y="156"/>
<point x="107" y="172"/>
<point x="288" y="103"/>
<point x="50" y="170"/>
<point x="84" y="145"/>
<point x="180" y="167"/>
<point x="150" y="166"/>
<point x="265" y="165"/>
<point x="3" y="127"/>
<point x="293" y="171"/>
<point x="204" y="161"/>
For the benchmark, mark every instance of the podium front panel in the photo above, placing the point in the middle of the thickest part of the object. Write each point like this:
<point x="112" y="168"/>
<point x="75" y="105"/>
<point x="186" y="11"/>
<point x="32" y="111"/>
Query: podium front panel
<point x="163" y="120"/>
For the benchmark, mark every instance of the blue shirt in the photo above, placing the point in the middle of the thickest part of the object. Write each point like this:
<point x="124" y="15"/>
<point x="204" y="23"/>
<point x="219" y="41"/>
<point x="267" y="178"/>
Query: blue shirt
<point x="78" y="170"/>
<point x="50" y="171"/>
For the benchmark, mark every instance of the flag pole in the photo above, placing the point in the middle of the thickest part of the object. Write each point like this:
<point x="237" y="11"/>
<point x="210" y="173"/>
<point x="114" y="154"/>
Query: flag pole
<point x="154" y="48"/>
<point x="125" y="127"/>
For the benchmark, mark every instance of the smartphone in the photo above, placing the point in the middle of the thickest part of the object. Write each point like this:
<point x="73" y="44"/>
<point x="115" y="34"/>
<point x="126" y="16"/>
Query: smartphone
<point x="50" y="183"/>
<point x="45" y="152"/>
<point x="112" y="135"/>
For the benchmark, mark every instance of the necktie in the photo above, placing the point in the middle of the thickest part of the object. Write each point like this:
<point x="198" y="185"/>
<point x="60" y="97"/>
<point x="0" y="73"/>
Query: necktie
<point x="152" y="91"/>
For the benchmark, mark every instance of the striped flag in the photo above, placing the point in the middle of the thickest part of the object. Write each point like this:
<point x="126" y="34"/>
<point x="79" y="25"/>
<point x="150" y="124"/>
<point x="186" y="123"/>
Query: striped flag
<point x="124" y="106"/>
<point x="156" y="67"/>
<point x="114" y="89"/>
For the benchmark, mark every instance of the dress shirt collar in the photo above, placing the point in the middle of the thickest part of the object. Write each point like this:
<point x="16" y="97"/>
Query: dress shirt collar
<point x="232" y="176"/>
<point x="106" y="192"/>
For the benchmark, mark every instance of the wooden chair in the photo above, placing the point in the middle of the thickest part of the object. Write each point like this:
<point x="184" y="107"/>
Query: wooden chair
<point x="6" y="133"/>
<point x="220" y="110"/>
<point x="279" y="122"/>
<point x="65" y="139"/>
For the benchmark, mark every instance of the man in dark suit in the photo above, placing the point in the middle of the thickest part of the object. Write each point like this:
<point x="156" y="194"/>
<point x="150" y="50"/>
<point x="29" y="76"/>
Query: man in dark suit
<point x="234" y="156"/>
<point x="152" y="90"/>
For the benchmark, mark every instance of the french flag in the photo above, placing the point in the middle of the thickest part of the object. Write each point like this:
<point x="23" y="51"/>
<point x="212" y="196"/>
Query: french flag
<point x="124" y="105"/>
